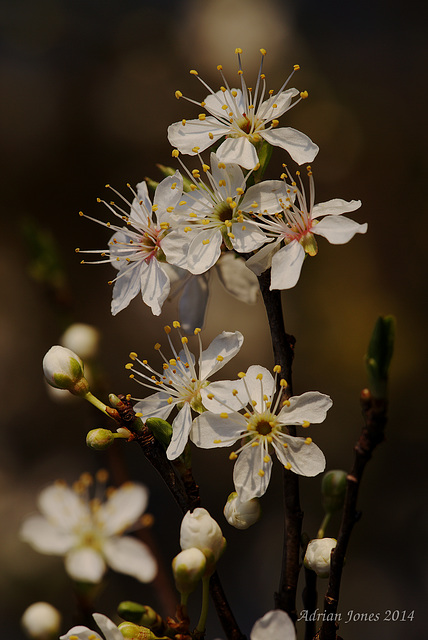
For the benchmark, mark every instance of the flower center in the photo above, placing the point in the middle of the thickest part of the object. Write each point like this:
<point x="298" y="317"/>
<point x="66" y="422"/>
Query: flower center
<point x="149" y="244"/>
<point x="249" y="128"/>
<point x="262" y="424"/>
<point x="223" y="211"/>
<point x="309" y="243"/>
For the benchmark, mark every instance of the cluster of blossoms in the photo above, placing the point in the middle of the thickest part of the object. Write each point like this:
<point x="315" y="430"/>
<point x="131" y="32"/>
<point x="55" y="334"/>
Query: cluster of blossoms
<point x="199" y="215"/>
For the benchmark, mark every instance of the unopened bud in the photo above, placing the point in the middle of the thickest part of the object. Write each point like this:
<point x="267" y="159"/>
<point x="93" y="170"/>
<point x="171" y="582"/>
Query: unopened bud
<point x="99" y="439"/>
<point x="188" y="568"/>
<point x="200" y="530"/>
<point x="41" y="621"/>
<point x="161" y="430"/>
<point x="81" y="338"/>
<point x="333" y="489"/>
<point x="135" y="632"/>
<point x="63" y="369"/>
<point x="241" y="515"/>
<point x="141" y="614"/>
<point x="318" y="554"/>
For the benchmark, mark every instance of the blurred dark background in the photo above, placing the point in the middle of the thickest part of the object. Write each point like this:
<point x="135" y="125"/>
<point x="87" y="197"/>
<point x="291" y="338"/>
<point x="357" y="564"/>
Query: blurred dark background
<point x="87" y="95"/>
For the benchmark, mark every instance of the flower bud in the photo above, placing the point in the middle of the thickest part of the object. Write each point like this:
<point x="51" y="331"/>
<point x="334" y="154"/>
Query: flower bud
<point x="241" y="515"/>
<point x="161" y="430"/>
<point x="135" y="632"/>
<point x="317" y="556"/>
<point x="41" y="621"/>
<point x="63" y="369"/>
<point x="141" y="614"/>
<point x="99" y="439"/>
<point x="188" y="568"/>
<point x="199" y="530"/>
<point x="333" y="489"/>
<point x="81" y="338"/>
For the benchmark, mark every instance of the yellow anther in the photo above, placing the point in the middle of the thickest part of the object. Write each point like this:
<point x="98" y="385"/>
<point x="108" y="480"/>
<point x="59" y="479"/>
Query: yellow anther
<point x="247" y="415"/>
<point x="170" y="400"/>
<point x="132" y="375"/>
<point x="254" y="204"/>
<point x="228" y="223"/>
<point x="210" y="396"/>
<point x="250" y="106"/>
<point x="206" y="167"/>
<point x="275" y="123"/>
<point x="186" y="229"/>
<point x="206" y="241"/>
<point x="233" y="456"/>
<point x="175" y="153"/>
<point x="180" y="204"/>
<point x="263" y="52"/>
<point x="77" y="249"/>
<point x="195" y="149"/>
<point x="193" y="72"/>
<point x="241" y="374"/>
<point x="197" y="330"/>
<point x="184" y="340"/>
<point x="255" y="443"/>
<point x="167" y="328"/>
<point x="262" y="76"/>
<point x="286" y="403"/>
<point x="129" y="365"/>
<point x="287" y="466"/>
<point x="202" y="116"/>
<point x="157" y="346"/>
<point x="296" y="67"/>
<point x="195" y="173"/>
<point x="261" y="473"/>
<point x="283" y="383"/>
<point x="266" y="459"/>
<point x="176" y="324"/>
<point x="224" y="415"/>
<point x="220" y="358"/>
<point x="304" y="94"/>
<point x="178" y="94"/>
<point x="238" y="50"/>
<point x="219" y="67"/>
<point x="210" y="135"/>
<point x="285" y="445"/>
<point x="306" y="424"/>
<point x="277" y="368"/>
<point x="170" y="209"/>
<point x="133" y="355"/>
<point x="254" y="403"/>
<point x="234" y="392"/>
<point x="269" y="439"/>
<point x="183" y="122"/>
<point x="165" y="366"/>
<point x="259" y="376"/>
<point x="165" y="225"/>
<point x="173" y="362"/>
<point x="308" y="440"/>
<point x="233" y="205"/>
<point x="216" y="441"/>
<point x="155" y="207"/>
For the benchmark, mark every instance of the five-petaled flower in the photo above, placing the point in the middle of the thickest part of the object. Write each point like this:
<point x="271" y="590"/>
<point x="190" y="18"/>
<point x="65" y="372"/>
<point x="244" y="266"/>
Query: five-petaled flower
<point x="89" y="532"/>
<point x="180" y="384"/>
<point x="245" y="118"/>
<point x="263" y="426"/>
<point x="296" y="226"/>
<point x="135" y="249"/>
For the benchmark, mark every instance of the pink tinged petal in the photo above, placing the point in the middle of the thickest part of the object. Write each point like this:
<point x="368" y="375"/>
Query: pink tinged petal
<point x="210" y="430"/>
<point x="311" y="406"/>
<point x="237" y="279"/>
<point x="123" y="508"/>
<point x="255" y="385"/>
<point x="109" y="629"/>
<point x="214" y="103"/>
<point x="118" y="253"/>
<point x="84" y="564"/>
<point x="204" y="251"/>
<point x="175" y="245"/>
<point x="156" y="405"/>
<point x="220" y="351"/>
<point x="166" y="196"/>
<point x="265" y="195"/>
<point x="338" y="230"/>
<point x="130" y="556"/>
<point x="62" y="507"/>
<point x="305" y="459"/>
<point x="232" y="173"/>
<point x="299" y="146"/>
<point x="154" y="286"/>
<point x="275" y="625"/>
<point x="286" y="266"/>
<point x="126" y="287"/>
<point x="282" y="103"/>
<point x="180" y="432"/>
<point x="247" y="237"/>
<point x="193" y="303"/>
<point x="238" y="151"/>
<point x="334" y="207"/>
<point x="45" y="537"/>
<point x="249" y="483"/>
<point x="82" y="633"/>
<point x="224" y="399"/>
<point x="262" y="260"/>
<point x="195" y="133"/>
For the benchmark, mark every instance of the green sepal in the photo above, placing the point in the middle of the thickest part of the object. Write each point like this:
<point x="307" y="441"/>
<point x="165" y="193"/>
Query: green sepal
<point x="161" y="430"/>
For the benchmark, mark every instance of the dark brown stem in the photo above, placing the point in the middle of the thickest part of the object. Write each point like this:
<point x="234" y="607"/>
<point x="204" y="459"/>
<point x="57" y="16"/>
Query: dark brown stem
<point x="283" y="350"/>
<point x="309" y="598"/>
<point x="372" y="434"/>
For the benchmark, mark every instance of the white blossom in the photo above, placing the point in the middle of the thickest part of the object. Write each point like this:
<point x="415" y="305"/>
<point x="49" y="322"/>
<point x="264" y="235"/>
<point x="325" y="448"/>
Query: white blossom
<point x="245" y="117"/>
<point x="318" y="554"/>
<point x="199" y="530"/>
<point x="41" y="621"/>
<point x="180" y="383"/>
<point x="241" y="515"/>
<point x="88" y="532"/>
<point x="109" y="629"/>
<point x="263" y="426"/>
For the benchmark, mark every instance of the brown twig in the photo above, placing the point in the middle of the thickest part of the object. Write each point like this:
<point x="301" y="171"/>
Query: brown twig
<point x="372" y="434"/>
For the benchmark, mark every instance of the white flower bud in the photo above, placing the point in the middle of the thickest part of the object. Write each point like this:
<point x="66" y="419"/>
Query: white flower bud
<point x="241" y="515"/>
<point x="199" y="530"/>
<point x="41" y="621"/>
<point x="63" y="369"/>
<point x="188" y="568"/>
<point x="318" y="555"/>
<point x="99" y="439"/>
<point x="81" y="338"/>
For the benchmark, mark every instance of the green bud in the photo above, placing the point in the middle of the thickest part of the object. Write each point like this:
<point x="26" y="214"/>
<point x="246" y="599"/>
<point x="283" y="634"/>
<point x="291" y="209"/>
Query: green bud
<point x="333" y="489"/>
<point x="139" y="614"/>
<point x="135" y="632"/>
<point x="379" y="354"/>
<point x="99" y="439"/>
<point x="161" y="430"/>
<point x="188" y="568"/>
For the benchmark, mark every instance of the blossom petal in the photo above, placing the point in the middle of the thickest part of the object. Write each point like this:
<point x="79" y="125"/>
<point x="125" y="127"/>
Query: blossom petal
<point x="247" y="237"/>
<point x="45" y="537"/>
<point x="141" y="206"/>
<point x="220" y="351"/>
<point x="282" y="103"/>
<point x="175" y="245"/>
<point x="62" y="506"/>
<point x="262" y="259"/>
<point x="155" y="406"/>
<point x="180" y="432"/>
<point x="224" y="399"/>
<point x="338" y="230"/>
<point x="204" y="251"/>
<point x="306" y="459"/>
<point x="195" y="133"/>
<point x="167" y="195"/>
<point x="275" y="625"/>
<point x="82" y="633"/>
<point x="311" y="406"/>
<point x="214" y="103"/>
<point x="231" y="173"/>
<point x="109" y="629"/>
<point x="237" y="279"/>
<point x="130" y="556"/>
<point x="120" y="249"/>
<point x="125" y="288"/>
<point x="257" y="386"/>
<point x="265" y="196"/>
<point x="210" y="430"/>
<point x="84" y="564"/>
<point x="286" y="266"/>
<point x="154" y="286"/>
<point x="334" y="207"/>
<point x="123" y="507"/>
<point x="299" y="146"/>
<point x="249" y="483"/>
<point x="238" y="151"/>
<point x="193" y="303"/>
